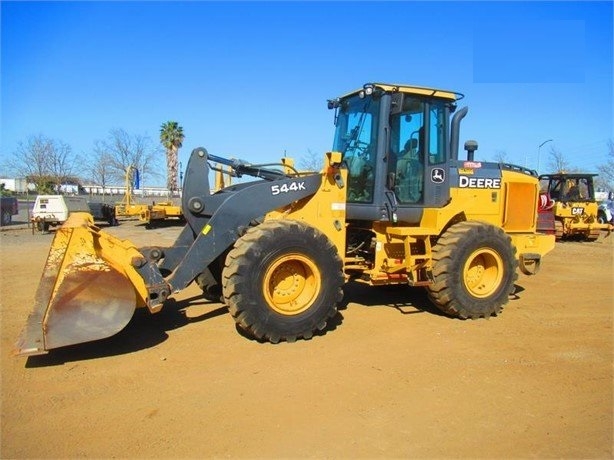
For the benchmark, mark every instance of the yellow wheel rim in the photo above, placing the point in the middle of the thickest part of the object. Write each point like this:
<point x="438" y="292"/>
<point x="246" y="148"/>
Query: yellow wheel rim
<point x="483" y="272"/>
<point x="291" y="284"/>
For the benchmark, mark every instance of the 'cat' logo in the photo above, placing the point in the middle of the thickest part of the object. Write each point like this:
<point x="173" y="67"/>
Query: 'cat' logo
<point x="577" y="211"/>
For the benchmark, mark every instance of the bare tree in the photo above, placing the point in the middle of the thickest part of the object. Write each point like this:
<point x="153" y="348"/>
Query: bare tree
<point x="606" y="171"/>
<point x="310" y="161"/>
<point x="63" y="164"/>
<point x="101" y="167"/>
<point x="558" y="162"/>
<point x="500" y="156"/>
<point x="45" y="162"/>
<point x="121" y="150"/>
<point x="31" y="160"/>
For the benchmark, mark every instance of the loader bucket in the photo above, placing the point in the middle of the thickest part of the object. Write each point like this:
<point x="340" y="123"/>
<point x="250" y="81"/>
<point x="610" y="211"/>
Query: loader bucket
<point x="88" y="291"/>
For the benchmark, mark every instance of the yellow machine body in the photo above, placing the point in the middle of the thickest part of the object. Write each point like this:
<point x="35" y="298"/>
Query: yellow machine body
<point x="403" y="251"/>
<point x="578" y="219"/>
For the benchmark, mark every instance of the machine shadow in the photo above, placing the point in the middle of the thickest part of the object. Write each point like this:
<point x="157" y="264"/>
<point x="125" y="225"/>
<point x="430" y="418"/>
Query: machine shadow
<point x="143" y="331"/>
<point x="407" y="300"/>
<point x="403" y="298"/>
<point x="146" y="330"/>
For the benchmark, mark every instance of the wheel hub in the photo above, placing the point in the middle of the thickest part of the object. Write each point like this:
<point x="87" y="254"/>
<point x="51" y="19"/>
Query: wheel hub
<point x="291" y="284"/>
<point x="483" y="272"/>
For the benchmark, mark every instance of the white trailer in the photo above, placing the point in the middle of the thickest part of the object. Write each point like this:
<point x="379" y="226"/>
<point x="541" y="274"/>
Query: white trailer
<point x="53" y="210"/>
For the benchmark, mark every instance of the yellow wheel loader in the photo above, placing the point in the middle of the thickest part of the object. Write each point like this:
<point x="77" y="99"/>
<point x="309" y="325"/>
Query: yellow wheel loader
<point x="573" y="206"/>
<point x="393" y="204"/>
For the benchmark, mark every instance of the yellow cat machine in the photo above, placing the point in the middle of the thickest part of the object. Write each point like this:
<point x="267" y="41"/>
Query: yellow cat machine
<point x="573" y="206"/>
<point x="159" y="212"/>
<point x="169" y="210"/>
<point x="393" y="204"/>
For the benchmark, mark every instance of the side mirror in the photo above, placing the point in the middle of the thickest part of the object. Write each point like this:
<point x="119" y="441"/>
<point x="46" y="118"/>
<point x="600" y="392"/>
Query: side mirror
<point x="396" y="103"/>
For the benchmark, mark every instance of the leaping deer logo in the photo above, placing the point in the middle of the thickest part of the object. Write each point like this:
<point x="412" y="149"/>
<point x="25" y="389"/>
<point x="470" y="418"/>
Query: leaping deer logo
<point x="437" y="175"/>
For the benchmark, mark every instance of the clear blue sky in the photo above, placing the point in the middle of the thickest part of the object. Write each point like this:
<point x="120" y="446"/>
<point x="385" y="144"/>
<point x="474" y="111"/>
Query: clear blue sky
<point x="251" y="79"/>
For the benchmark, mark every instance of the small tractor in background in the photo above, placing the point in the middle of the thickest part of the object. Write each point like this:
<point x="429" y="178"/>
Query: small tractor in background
<point x="393" y="205"/>
<point x="160" y="212"/>
<point x="169" y="211"/>
<point x="571" y="206"/>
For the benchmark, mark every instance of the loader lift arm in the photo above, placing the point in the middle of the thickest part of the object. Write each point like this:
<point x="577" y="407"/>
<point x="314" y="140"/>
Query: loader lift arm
<point x="216" y="221"/>
<point x="240" y="168"/>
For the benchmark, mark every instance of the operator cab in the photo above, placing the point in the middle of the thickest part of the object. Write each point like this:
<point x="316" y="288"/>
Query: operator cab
<point x="397" y="146"/>
<point x="565" y="188"/>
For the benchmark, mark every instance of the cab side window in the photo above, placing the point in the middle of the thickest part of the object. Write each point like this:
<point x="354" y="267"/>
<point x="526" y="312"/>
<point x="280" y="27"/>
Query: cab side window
<point x="407" y="147"/>
<point x="437" y="134"/>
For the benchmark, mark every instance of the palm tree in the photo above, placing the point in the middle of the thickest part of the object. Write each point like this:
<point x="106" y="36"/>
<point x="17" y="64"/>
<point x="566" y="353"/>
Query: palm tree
<point x="171" y="137"/>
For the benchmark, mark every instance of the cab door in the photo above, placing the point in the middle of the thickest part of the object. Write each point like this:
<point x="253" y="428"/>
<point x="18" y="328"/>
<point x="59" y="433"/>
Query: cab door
<point x="418" y="154"/>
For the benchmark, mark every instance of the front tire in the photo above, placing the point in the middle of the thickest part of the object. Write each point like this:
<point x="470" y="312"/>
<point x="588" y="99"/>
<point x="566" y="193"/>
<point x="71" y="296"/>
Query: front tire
<point x="282" y="281"/>
<point x="474" y="267"/>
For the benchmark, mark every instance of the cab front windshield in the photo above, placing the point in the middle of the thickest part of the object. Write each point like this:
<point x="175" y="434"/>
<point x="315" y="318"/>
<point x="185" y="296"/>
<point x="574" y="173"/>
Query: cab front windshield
<point x="356" y="138"/>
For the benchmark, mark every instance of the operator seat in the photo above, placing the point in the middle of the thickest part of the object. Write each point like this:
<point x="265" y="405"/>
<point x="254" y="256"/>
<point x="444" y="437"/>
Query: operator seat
<point x="573" y="194"/>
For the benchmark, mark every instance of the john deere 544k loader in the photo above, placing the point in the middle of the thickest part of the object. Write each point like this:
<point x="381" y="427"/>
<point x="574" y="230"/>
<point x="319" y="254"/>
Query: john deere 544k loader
<point x="393" y="204"/>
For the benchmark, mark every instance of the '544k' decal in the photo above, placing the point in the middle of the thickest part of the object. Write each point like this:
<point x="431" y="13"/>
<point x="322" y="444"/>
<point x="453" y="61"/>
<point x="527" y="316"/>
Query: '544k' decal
<point x="285" y="188"/>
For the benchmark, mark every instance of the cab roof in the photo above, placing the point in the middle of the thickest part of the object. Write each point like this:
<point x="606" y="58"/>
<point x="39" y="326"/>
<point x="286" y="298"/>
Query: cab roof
<point x="409" y="89"/>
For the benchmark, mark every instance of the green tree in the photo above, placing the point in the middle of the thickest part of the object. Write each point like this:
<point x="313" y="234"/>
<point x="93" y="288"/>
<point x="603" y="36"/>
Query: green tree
<point x="171" y="137"/>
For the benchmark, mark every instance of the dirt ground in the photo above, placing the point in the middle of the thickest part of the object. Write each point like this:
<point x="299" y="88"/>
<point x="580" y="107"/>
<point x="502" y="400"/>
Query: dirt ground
<point x="391" y="378"/>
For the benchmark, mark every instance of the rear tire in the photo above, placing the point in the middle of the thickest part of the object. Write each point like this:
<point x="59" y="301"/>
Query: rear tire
<point x="474" y="267"/>
<point x="282" y="281"/>
<point x="42" y="227"/>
